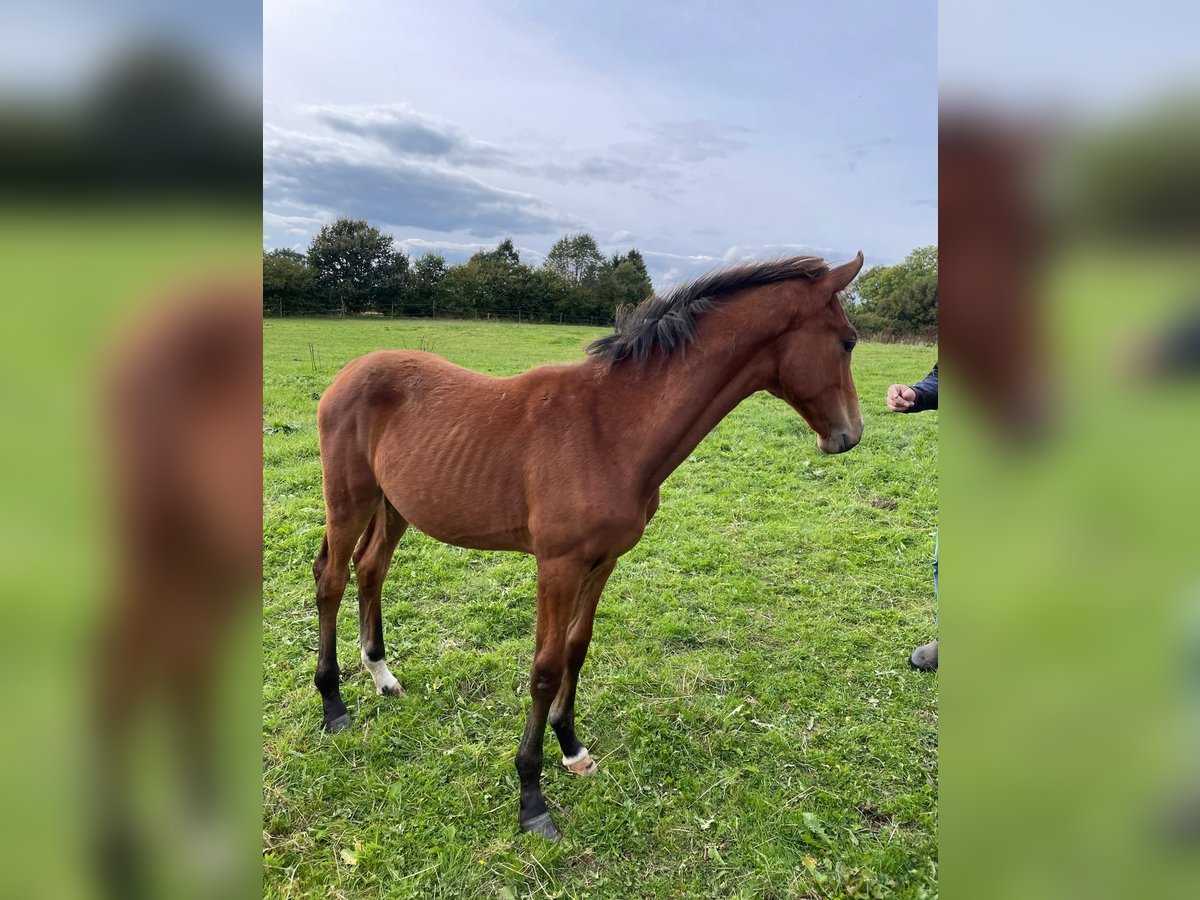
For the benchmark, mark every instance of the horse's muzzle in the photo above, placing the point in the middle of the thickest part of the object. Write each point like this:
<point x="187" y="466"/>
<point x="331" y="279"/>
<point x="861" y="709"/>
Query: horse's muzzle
<point x="839" y="441"/>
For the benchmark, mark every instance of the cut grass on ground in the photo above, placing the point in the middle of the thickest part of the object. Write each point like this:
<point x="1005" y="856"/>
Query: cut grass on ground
<point x="747" y="692"/>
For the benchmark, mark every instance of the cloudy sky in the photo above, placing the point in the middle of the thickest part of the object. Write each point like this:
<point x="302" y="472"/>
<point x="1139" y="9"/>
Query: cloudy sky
<point x="696" y="132"/>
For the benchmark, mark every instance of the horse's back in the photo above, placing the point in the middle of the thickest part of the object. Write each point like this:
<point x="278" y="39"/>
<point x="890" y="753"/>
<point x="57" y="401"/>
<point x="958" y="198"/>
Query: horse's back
<point x="383" y="378"/>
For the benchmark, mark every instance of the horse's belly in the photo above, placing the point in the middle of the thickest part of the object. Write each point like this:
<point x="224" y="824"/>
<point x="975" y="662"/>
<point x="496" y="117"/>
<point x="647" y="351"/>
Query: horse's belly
<point x="473" y="512"/>
<point x="473" y="537"/>
<point x="455" y="479"/>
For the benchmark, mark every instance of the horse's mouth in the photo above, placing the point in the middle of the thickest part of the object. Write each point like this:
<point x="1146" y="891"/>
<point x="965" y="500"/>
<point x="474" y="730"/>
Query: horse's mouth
<point x="839" y="442"/>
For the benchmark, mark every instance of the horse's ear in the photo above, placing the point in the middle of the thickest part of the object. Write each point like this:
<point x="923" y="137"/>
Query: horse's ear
<point x="838" y="278"/>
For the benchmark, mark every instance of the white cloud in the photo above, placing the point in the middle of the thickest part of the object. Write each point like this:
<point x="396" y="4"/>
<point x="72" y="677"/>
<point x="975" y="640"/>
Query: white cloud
<point x="318" y="173"/>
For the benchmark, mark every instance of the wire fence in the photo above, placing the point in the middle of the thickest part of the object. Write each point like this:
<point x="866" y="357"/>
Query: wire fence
<point x="411" y="311"/>
<point x="926" y="337"/>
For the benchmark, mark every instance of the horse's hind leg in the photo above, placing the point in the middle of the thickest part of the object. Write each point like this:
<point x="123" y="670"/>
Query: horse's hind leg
<point x="372" y="558"/>
<point x="347" y="511"/>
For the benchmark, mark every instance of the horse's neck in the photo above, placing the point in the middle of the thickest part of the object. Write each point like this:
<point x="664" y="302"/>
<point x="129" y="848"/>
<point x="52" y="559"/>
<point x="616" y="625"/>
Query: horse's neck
<point x="664" y="408"/>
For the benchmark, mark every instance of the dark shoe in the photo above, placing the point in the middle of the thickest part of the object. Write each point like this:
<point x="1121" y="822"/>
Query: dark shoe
<point x="925" y="657"/>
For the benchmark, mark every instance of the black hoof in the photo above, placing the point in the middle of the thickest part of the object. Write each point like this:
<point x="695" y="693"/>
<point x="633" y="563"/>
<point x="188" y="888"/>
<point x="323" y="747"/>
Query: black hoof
<point x="341" y="723"/>
<point x="542" y="826"/>
<point x="395" y="690"/>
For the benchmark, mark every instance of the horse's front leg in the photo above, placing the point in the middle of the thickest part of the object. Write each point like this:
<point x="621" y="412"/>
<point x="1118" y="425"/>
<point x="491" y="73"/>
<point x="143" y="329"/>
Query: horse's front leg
<point x="559" y="583"/>
<point x="576" y="757"/>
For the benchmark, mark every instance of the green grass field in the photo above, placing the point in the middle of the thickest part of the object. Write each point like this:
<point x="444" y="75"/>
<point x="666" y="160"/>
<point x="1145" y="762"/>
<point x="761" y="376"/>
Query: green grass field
<point x="747" y="693"/>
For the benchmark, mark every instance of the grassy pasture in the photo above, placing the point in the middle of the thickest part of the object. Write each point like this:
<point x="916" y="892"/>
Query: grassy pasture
<point x="747" y="694"/>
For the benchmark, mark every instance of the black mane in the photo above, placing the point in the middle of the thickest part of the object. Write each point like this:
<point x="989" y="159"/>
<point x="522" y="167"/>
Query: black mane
<point x="668" y="322"/>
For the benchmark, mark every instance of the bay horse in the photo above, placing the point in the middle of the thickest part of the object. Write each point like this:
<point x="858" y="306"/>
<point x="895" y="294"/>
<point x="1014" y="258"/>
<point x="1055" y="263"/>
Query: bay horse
<point x="563" y="462"/>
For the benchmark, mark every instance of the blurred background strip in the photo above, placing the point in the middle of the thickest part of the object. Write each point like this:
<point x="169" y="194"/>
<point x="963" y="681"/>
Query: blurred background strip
<point x="1069" y="170"/>
<point x="130" y="487"/>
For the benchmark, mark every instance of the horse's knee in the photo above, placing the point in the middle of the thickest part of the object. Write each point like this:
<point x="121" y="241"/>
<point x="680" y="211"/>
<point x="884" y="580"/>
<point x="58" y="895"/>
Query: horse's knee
<point x="331" y="587"/>
<point x="546" y="684"/>
<point x="546" y="677"/>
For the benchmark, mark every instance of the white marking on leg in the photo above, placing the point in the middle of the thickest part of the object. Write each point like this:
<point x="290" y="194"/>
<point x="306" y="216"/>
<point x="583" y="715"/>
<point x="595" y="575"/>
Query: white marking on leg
<point x="379" y="672"/>
<point x="578" y="757"/>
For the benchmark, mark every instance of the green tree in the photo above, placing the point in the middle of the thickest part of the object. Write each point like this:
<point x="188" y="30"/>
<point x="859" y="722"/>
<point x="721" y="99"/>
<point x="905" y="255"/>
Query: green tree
<point x="495" y="277"/>
<point x="396" y="284"/>
<point x="428" y="273"/>
<point x="354" y="264"/>
<point x="289" y="285"/>
<point x="496" y="282"/>
<point x="507" y="253"/>
<point x="548" y="294"/>
<point x="621" y="285"/>
<point x="908" y="311"/>
<point x="635" y="258"/>
<point x="897" y="301"/>
<point x="460" y="292"/>
<point x="577" y="258"/>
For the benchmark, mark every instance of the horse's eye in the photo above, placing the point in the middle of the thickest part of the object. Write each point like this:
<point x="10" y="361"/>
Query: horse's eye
<point x="850" y="344"/>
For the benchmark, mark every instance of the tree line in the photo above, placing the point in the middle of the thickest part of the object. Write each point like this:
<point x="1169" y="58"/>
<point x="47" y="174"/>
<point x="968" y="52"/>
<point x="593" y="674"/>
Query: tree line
<point x="352" y="268"/>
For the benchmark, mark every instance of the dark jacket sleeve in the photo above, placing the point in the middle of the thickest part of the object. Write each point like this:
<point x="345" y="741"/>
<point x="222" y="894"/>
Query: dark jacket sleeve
<point x="1177" y="352"/>
<point x="926" y="392"/>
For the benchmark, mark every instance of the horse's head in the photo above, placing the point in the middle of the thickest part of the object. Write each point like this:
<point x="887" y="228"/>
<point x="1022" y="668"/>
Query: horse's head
<point x="812" y="361"/>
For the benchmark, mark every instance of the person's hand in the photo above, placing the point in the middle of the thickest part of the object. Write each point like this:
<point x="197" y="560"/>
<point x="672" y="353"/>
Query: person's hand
<point x="900" y="397"/>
